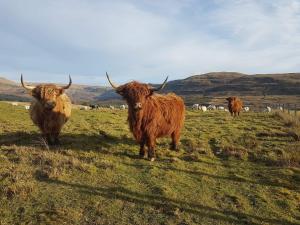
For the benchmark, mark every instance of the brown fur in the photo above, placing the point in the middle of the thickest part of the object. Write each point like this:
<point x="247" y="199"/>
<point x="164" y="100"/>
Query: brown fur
<point x="50" y="110"/>
<point x="235" y="105"/>
<point x="151" y="116"/>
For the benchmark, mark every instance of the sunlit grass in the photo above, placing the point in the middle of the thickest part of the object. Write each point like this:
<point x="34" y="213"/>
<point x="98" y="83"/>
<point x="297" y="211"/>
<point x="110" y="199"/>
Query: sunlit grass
<point x="227" y="171"/>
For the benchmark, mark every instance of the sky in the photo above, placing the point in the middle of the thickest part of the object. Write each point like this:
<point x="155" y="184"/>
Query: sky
<point x="146" y="40"/>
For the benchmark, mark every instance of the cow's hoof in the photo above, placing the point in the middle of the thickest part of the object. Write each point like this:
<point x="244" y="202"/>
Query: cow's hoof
<point x="57" y="142"/>
<point x="152" y="159"/>
<point x="142" y="156"/>
<point x="174" y="148"/>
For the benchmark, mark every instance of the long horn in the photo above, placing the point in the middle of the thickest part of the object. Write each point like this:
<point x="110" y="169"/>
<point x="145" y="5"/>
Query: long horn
<point x="28" y="87"/>
<point x="111" y="83"/>
<point x="67" y="86"/>
<point x="161" y="86"/>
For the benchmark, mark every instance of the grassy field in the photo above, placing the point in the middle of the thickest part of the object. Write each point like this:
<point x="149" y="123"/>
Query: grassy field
<point x="227" y="171"/>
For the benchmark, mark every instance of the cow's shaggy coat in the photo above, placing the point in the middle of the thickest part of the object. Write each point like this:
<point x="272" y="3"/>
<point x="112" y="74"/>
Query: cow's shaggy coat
<point x="50" y="109"/>
<point x="152" y="116"/>
<point x="235" y="105"/>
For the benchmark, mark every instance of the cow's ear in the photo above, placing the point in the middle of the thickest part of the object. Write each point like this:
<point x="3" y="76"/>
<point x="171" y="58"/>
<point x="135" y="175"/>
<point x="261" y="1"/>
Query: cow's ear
<point x="35" y="93"/>
<point x="151" y="92"/>
<point x="60" y="91"/>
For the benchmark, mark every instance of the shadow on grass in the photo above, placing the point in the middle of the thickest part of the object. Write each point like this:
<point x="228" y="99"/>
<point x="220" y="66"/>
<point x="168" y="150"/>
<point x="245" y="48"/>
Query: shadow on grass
<point x="263" y="181"/>
<point x="169" y="205"/>
<point x="84" y="142"/>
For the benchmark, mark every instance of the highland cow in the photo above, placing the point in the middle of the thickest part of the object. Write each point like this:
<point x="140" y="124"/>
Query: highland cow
<point x="151" y="115"/>
<point x="50" y="109"/>
<point x="235" y="105"/>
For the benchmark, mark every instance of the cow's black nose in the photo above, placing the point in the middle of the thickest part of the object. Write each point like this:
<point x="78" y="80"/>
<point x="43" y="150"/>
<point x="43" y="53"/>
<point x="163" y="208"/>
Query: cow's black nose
<point x="50" y="105"/>
<point x="138" y="106"/>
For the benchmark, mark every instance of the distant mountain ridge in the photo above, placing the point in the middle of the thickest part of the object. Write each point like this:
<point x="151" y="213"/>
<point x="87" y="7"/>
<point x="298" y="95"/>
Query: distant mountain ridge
<point x="210" y="84"/>
<point x="232" y="83"/>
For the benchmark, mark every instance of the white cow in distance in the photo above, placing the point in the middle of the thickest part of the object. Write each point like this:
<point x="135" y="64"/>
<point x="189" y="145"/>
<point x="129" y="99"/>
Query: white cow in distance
<point x="122" y="107"/>
<point x="221" y="108"/>
<point x="195" y="106"/>
<point x="211" y="107"/>
<point x="203" y="108"/>
<point x="268" y="109"/>
<point x="84" y="107"/>
<point x="246" y="109"/>
<point x="27" y="107"/>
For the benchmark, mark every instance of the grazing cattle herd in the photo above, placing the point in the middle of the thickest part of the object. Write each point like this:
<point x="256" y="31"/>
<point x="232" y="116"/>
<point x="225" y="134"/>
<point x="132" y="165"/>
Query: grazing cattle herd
<point x="150" y="115"/>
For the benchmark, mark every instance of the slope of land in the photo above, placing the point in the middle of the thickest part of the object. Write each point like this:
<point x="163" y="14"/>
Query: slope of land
<point x="227" y="171"/>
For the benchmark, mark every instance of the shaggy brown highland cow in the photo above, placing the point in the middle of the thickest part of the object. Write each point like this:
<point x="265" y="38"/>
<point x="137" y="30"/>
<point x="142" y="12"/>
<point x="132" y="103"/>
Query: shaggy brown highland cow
<point x="235" y="105"/>
<point x="50" y="109"/>
<point x="151" y="115"/>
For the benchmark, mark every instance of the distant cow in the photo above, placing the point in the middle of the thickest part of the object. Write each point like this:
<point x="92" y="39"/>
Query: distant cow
<point x="122" y="107"/>
<point x="195" y="106"/>
<point x="246" y="109"/>
<point x="93" y="106"/>
<point x="83" y="107"/>
<point x="203" y="108"/>
<point x="268" y="109"/>
<point x="221" y="108"/>
<point x="27" y="107"/>
<point x="151" y="115"/>
<point x="211" y="107"/>
<point x="235" y="105"/>
<point x="50" y="109"/>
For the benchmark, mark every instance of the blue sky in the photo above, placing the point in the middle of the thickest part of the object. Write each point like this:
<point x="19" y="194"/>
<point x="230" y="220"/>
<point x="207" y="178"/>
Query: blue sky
<point x="146" y="40"/>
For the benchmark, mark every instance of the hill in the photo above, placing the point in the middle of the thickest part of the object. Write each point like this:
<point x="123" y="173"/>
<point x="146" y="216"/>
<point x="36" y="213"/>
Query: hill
<point x="227" y="171"/>
<point x="197" y="88"/>
<point x="230" y="83"/>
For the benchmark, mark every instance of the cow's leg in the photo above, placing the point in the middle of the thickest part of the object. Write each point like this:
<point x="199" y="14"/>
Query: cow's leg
<point x="151" y="148"/>
<point x="56" y="139"/>
<point x="175" y="140"/>
<point x="142" y="148"/>
<point x="49" y="138"/>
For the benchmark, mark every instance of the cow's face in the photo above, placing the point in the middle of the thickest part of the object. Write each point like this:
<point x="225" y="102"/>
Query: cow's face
<point x="135" y="94"/>
<point x="47" y="95"/>
<point x="230" y="99"/>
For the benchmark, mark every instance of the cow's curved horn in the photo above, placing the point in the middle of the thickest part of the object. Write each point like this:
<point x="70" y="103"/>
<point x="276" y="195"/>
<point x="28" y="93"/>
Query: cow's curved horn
<point x="161" y="86"/>
<point x="111" y="83"/>
<point x="28" y="87"/>
<point x="67" y="86"/>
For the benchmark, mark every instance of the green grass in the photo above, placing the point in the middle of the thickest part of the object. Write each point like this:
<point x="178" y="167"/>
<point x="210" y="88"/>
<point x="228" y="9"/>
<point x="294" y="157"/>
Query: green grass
<point x="227" y="171"/>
